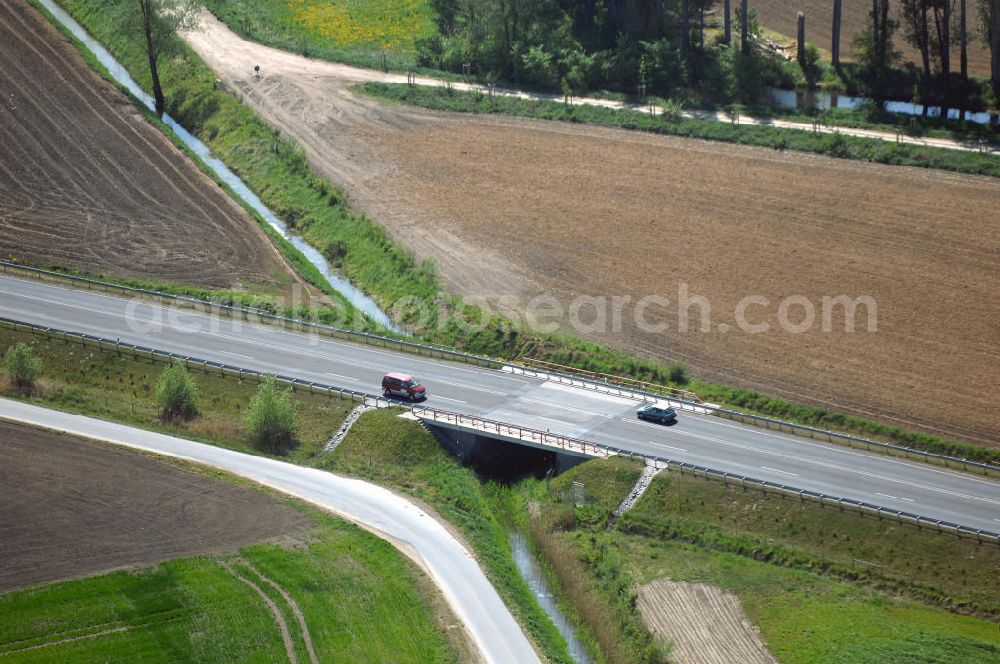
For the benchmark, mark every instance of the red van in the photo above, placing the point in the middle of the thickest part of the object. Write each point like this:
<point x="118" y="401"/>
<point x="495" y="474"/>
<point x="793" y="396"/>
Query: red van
<point x="403" y="385"/>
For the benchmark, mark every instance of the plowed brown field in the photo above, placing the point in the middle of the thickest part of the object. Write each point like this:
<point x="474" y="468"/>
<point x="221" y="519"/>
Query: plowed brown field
<point x="519" y="208"/>
<point x="706" y="625"/>
<point x="87" y="183"/>
<point x="73" y="507"/>
<point x="782" y="16"/>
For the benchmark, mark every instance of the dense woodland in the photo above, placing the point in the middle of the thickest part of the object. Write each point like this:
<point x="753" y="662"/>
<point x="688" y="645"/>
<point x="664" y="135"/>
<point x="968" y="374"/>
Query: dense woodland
<point x="711" y="49"/>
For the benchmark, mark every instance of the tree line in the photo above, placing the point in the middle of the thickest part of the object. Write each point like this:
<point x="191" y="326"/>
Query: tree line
<point x="580" y="45"/>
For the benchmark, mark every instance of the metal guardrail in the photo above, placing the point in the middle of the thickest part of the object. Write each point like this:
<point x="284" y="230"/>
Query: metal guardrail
<point x="857" y="506"/>
<point x="257" y="316"/>
<point x="526" y="434"/>
<point x="194" y="363"/>
<point x="511" y="430"/>
<point x="444" y="352"/>
<point x="611" y="379"/>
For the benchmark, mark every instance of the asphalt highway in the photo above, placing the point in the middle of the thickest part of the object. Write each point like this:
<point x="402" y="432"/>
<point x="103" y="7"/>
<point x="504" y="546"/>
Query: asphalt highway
<point x="392" y="517"/>
<point x="705" y="440"/>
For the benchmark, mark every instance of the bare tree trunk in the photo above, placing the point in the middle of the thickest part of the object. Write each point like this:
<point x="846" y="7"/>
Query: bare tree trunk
<point x="159" y="103"/>
<point x="727" y="22"/>
<point x="835" y="46"/>
<point x="993" y="27"/>
<point x="802" y="40"/>
<point x="963" y="40"/>
<point x="686" y="26"/>
<point x="745" y="26"/>
<point x="944" y="38"/>
<point x="875" y="13"/>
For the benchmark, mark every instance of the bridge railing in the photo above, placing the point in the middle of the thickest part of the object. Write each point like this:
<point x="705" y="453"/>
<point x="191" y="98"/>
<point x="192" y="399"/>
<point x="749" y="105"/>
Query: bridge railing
<point x="525" y="434"/>
<point x="631" y="384"/>
<point x="579" y="380"/>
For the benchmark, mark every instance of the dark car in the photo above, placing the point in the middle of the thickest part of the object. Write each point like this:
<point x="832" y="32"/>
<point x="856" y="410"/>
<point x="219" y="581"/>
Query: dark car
<point x="403" y="385"/>
<point x="663" y="415"/>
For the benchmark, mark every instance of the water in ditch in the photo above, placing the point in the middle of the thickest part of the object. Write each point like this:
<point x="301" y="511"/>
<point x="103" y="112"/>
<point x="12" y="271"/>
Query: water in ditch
<point x="353" y="294"/>
<point x="812" y="100"/>
<point x="531" y="572"/>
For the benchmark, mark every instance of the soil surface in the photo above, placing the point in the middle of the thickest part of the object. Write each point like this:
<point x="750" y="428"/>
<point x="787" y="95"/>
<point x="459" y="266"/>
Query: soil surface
<point x="706" y="624"/>
<point x="86" y="182"/>
<point x="520" y="208"/>
<point x="782" y="16"/>
<point x="74" y="507"/>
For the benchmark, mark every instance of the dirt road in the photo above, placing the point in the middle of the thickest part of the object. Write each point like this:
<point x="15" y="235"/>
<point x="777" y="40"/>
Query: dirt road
<point x="519" y="208"/>
<point x="87" y="183"/>
<point x="73" y="507"/>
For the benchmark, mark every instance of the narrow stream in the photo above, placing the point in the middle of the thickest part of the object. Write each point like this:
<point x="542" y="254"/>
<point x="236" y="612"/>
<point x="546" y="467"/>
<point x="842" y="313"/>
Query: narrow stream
<point x="353" y="294"/>
<point x="532" y="574"/>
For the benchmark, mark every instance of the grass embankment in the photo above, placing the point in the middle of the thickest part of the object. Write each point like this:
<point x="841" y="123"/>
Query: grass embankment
<point x="117" y="387"/>
<point x="362" y="601"/>
<point x="277" y="172"/>
<point x="796" y="567"/>
<point x="833" y="145"/>
<point x="400" y="454"/>
<point x="367" y="33"/>
<point x="380" y="447"/>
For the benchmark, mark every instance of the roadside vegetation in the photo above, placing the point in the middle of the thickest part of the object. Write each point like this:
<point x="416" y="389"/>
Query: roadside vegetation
<point x="822" y="585"/>
<point x="118" y="387"/>
<point x="801" y="571"/>
<point x="380" y="447"/>
<point x="276" y="170"/>
<point x="367" y="33"/>
<point x="362" y="601"/>
<point x="667" y="122"/>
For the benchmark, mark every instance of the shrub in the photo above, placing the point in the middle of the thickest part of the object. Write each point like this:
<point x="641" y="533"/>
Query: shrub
<point x="678" y="375"/>
<point x="270" y="418"/>
<point x="23" y="368"/>
<point x="177" y="393"/>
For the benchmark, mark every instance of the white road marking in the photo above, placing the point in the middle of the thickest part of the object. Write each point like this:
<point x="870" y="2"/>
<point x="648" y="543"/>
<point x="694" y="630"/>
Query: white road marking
<point x="783" y="472"/>
<point x="670" y="447"/>
<point x="229" y="352"/>
<point x="356" y="380"/>
<point x="885" y="495"/>
<point x="437" y="396"/>
<point x="471" y="387"/>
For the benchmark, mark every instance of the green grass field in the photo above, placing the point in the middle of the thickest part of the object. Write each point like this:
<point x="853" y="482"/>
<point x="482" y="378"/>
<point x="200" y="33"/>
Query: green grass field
<point x="361" y="599"/>
<point x="792" y="565"/>
<point x="117" y="387"/>
<point x="354" y="31"/>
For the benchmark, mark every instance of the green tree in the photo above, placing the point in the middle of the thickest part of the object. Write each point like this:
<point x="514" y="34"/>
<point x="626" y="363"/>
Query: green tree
<point x="875" y="51"/>
<point x="177" y="393"/>
<point x="23" y="368"/>
<point x="270" y="418"/>
<point x="152" y="24"/>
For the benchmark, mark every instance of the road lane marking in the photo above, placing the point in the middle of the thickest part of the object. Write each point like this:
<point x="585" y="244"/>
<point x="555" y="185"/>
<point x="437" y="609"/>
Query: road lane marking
<point x="671" y="447"/>
<point x="438" y="396"/>
<point x="783" y="472"/>
<point x="847" y="469"/>
<point x="357" y="380"/>
<point x="839" y="449"/>
<point x="229" y="352"/>
<point x="470" y="387"/>
<point x="885" y="495"/>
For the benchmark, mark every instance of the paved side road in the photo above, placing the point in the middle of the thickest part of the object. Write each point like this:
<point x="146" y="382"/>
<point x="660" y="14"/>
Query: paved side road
<point x="391" y="517"/>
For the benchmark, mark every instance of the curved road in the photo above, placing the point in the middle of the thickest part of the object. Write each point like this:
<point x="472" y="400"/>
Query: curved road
<point x="704" y="440"/>
<point x="389" y="516"/>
